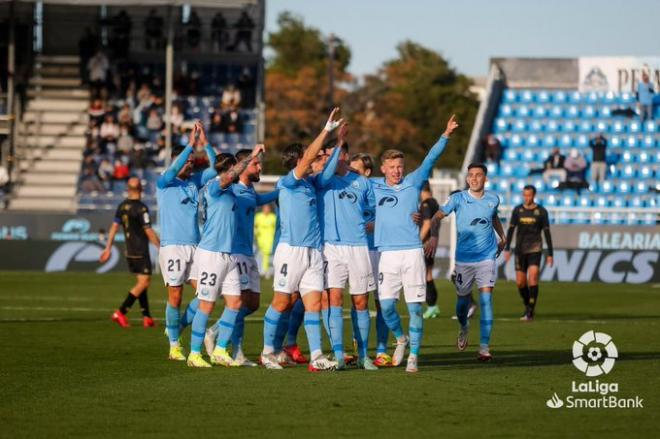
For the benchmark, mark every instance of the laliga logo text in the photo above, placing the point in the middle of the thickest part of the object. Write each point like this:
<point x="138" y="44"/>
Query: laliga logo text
<point x="594" y="354"/>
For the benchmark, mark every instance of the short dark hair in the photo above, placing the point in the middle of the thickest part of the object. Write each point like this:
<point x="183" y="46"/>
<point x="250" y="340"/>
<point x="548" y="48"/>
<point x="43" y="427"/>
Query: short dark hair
<point x="242" y="154"/>
<point x="291" y="155"/>
<point x="223" y="162"/>
<point x="365" y="158"/>
<point x="530" y="187"/>
<point x="479" y="166"/>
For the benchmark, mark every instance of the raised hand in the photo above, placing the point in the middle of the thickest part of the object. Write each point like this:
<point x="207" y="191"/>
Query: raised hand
<point x="194" y="135"/>
<point x="332" y="124"/>
<point x="259" y="148"/>
<point x="342" y="133"/>
<point x="451" y="126"/>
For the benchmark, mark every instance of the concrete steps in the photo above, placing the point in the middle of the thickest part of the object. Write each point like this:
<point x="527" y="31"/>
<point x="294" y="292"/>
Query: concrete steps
<point x="48" y="179"/>
<point x="55" y="129"/>
<point x="58" y="166"/>
<point x="57" y="105"/>
<point x="43" y="204"/>
<point x="50" y="117"/>
<point x="66" y="192"/>
<point x="81" y="94"/>
<point x="58" y="59"/>
<point x="55" y="82"/>
<point x="56" y="141"/>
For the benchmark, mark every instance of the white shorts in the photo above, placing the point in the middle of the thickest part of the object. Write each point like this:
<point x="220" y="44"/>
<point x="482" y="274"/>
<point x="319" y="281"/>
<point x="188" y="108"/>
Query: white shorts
<point x="175" y="263"/>
<point x="248" y="272"/>
<point x="297" y="269"/>
<point x="349" y="263"/>
<point x="484" y="273"/>
<point x="402" y="269"/>
<point x="374" y="258"/>
<point x="216" y="272"/>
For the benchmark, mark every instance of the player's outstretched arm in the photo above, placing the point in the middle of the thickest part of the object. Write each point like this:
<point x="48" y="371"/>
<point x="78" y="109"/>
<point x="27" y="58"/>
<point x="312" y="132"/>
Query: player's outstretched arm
<point x="210" y="172"/>
<point x="230" y="176"/>
<point x="499" y="229"/>
<point x="509" y="235"/>
<point x="267" y="197"/>
<point x="173" y="170"/>
<point x="548" y="239"/>
<point x="421" y="174"/>
<point x="313" y="149"/>
<point x="105" y="254"/>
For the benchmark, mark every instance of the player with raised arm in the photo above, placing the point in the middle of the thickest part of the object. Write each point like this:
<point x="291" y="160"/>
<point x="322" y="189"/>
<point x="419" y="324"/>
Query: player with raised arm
<point x="247" y="200"/>
<point x="530" y="219"/>
<point x="344" y="199"/>
<point x="397" y="238"/>
<point x="477" y="224"/>
<point x="178" y="199"/>
<point x="133" y="215"/>
<point x="215" y="266"/>
<point x="298" y="262"/>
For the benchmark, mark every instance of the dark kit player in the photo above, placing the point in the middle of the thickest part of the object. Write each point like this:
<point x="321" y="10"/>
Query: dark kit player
<point x="531" y="219"/>
<point x="427" y="231"/>
<point x="133" y="215"/>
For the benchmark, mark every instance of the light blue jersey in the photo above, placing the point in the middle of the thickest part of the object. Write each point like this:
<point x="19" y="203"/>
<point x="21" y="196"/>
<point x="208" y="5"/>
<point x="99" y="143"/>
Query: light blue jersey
<point x="345" y="200"/>
<point x="220" y="226"/>
<point x="370" y="217"/>
<point x="395" y="229"/>
<point x="298" y="207"/>
<point x="177" y="204"/>
<point x="247" y="199"/>
<point x="201" y="178"/>
<point x="476" y="240"/>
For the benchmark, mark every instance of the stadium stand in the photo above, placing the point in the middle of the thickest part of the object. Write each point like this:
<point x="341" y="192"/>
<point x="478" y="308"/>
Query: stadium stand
<point x="529" y="122"/>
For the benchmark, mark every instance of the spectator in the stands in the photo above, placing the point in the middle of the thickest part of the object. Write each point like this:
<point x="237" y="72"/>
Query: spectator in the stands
<point x="575" y="165"/>
<point x="121" y="171"/>
<point x="153" y="31"/>
<point x="492" y="148"/>
<point x="244" y="27"/>
<point x="598" y="161"/>
<point x="97" y="68"/>
<point x="234" y="123"/>
<point x="247" y="87"/>
<point x="554" y="166"/>
<point x="144" y="96"/>
<point x="193" y="30"/>
<point x="89" y="181"/>
<point x="86" y="48"/>
<point x="125" y="141"/>
<point x="645" y="94"/>
<point x="231" y="97"/>
<point x="219" y="31"/>
<point x="124" y="116"/>
<point x="105" y="172"/>
<point x="121" y="34"/>
<point x="154" y="124"/>
<point x="109" y="132"/>
<point x="176" y="119"/>
<point x="96" y="110"/>
<point x="4" y="185"/>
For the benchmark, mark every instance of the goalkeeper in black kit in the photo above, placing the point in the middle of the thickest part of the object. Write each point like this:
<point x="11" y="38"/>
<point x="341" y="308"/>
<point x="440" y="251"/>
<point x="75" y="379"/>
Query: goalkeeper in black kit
<point x="530" y="219"/>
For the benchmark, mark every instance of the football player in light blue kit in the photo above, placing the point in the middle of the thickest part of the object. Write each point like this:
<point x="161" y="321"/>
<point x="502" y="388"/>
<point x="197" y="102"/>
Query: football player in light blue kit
<point x="298" y="262"/>
<point x="178" y="199"/>
<point x="397" y="238"/>
<point x="476" y="250"/>
<point x="343" y="202"/>
<point x="247" y="200"/>
<point x="215" y="266"/>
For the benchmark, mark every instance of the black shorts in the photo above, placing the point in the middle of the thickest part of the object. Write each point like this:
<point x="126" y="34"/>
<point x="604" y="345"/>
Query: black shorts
<point x="139" y="264"/>
<point x="524" y="261"/>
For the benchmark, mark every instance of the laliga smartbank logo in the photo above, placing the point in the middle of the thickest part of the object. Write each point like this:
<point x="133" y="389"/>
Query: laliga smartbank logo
<point x="594" y="354"/>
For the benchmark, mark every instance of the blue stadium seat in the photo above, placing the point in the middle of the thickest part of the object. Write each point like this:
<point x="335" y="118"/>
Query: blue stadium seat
<point x="568" y="126"/>
<point x="634" y="127"/>
<point x="589" y="111"/>
<point x="605" y="111"/>
<point x="519" y="126"/>
<point x="510" y="96"/>
<point x="648" y="141"/>
<point x="535" y="126"/>
<point x="584" y="201"/>
<point x="540" y="111"/>
<point x="556" y="111"/>
<point x="552" y="126"/>
<point x="501" y="125"/>
<point x="572" y="111"/>
<point x="516" y="140"/>
<point x="601" y="126"/>
<point x="559" y="97"/>
<point x="650" y="126"/>
<point x="582" y="141"/>
<point x="627" y="98"/>
<point x="632" y="142"/>
<point x="575" y="97"/>
<point x="543" y="97"/>
<point x="526" y="96"/>
<point x="618" y="127"/>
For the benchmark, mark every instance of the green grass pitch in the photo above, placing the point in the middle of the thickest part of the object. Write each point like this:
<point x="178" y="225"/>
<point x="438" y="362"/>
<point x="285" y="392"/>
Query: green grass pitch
<point x="67" y="371"/>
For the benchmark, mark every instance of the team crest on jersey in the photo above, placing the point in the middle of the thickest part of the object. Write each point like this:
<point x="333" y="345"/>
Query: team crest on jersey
<point x="348" y="196"/>
<point x="355" y="185"/>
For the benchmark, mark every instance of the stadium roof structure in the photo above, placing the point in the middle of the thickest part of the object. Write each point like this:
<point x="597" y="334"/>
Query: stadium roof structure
<point x="196" y="3"/>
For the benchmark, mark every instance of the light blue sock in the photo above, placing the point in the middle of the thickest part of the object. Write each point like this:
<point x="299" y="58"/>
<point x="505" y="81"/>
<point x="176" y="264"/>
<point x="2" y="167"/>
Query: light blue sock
<point x="187" y="317"/>
<point x="382" y="333"/>
<point x="415" y="327"/>
<point x="337" y="330"/>
<point x="313" y="331"/>
<point x="325" y="315"/>
<point x="172" y="323"/>
<point x="239" y="328"/>
<point x="226" y="326"/>
<point x="391" y="316"/>
<point x="486" y="320"/>
<point x="198" y="330"/>
<point x="295" y="321"/>
<point x="354" y="324"/>
<point x="462" y="308"/>
<point x="362" y="335"/>
<point x="271" y="321"/>
<point x="282" y="330"/>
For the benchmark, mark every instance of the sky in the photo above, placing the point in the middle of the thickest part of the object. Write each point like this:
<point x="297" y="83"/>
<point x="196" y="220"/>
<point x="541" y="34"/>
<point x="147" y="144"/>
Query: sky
<point x="469" y="32"/>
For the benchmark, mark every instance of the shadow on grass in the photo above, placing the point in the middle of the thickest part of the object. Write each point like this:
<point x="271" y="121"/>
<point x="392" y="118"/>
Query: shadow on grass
<point x="468" y="360"/>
